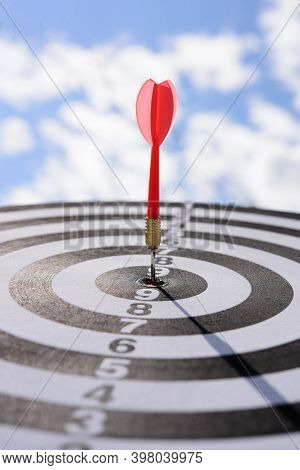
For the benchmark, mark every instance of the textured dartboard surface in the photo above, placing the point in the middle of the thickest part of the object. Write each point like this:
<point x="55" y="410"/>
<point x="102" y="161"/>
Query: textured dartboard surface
<point x="90" y="359"/>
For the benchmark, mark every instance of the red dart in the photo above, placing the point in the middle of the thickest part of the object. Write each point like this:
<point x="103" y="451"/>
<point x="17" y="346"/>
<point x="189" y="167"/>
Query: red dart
<point x="156" y="107"/>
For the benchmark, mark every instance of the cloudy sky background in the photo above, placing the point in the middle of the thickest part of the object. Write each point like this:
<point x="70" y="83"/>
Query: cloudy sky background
<point x="69" y="76"/>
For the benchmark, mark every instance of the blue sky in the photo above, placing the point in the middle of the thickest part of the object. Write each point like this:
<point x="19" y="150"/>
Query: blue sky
<point x="208" y="48"/>
<point x="90" y="22"/>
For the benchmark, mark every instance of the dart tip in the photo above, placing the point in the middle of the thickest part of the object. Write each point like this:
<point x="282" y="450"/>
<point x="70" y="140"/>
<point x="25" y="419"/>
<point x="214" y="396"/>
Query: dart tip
<point x="153" y="275"/>
<point x="152" y="238"/>
<point x="152" y="280"/>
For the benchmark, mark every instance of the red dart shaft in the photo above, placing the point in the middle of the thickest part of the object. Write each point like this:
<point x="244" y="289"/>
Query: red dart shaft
<point x="153" y="192"/>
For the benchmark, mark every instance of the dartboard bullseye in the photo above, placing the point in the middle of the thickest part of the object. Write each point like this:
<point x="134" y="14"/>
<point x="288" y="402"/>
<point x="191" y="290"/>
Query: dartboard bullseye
<point x="209" y="360"/>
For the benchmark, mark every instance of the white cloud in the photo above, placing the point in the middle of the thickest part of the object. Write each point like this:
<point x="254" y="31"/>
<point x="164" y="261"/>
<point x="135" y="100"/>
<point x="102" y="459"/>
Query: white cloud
<point x="110" y="73"/>
<point x="274" y="121"/>
<point x="109" y="76"/>
<point x="213" y="61"/>
<point x="285" y="56"/>
<point x="258" y="164"/>
<point x="15" y="136"/>
<point x="82" y="173"/>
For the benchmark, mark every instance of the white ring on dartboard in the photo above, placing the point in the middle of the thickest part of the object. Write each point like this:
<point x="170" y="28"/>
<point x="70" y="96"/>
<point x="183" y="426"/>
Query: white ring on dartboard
<point x="231" y="286"/>
<point x="121" y="282"/>
<point x="242" y="340"/>
<point x="166" y="396"/>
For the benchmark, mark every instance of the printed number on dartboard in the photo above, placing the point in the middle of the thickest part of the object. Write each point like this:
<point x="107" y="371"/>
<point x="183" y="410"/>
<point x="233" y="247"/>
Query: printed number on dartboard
<point x="88" y="421"/>
<point x="164" y="260"/>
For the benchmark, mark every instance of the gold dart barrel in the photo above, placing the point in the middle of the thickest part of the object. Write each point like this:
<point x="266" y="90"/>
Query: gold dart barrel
<point x="152" y="233"/>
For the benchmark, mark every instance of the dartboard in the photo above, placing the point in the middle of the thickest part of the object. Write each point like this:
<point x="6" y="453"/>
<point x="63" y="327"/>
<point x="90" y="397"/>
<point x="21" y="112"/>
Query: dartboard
<point x="90" y="359"/>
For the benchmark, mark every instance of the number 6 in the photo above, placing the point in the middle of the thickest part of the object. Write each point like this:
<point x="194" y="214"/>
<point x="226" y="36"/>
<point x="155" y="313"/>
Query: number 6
<point x="122" y="345"/>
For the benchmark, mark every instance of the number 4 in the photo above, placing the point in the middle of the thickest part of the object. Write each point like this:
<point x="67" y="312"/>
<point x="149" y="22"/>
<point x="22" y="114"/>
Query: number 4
<point x="103" y="393"/>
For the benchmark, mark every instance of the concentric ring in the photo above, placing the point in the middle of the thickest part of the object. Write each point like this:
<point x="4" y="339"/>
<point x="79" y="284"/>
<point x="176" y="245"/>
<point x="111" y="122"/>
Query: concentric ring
<point x="33" y="285"/>
<point x="264" y="251"/>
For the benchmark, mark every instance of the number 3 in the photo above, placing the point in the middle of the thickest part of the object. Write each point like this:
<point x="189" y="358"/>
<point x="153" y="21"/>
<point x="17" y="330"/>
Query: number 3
<point x="87" y="421"/>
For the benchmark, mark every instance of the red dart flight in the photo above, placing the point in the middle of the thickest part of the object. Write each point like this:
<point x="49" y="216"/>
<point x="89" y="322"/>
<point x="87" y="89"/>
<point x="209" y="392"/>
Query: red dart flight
<point x="156" y="107"/>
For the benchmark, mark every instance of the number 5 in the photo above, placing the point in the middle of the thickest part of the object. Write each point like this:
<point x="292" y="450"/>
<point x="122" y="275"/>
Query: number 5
<point x="113" y="368"/>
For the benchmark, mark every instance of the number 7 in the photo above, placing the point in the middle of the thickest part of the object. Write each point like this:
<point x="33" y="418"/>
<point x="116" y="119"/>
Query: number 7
<point x="131" y="324"/>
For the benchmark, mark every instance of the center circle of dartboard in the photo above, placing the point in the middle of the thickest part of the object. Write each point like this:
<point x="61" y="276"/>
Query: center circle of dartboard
<point x="122" y="283"/>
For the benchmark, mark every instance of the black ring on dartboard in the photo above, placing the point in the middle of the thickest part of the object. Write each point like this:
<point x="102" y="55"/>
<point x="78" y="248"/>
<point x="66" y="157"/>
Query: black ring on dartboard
<point x="131" y="218"/>
<point x="184" y="369"/>
<point x="154" y="425"/>
<point x="32" y="288"/>
<point x="14" y="349"/>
